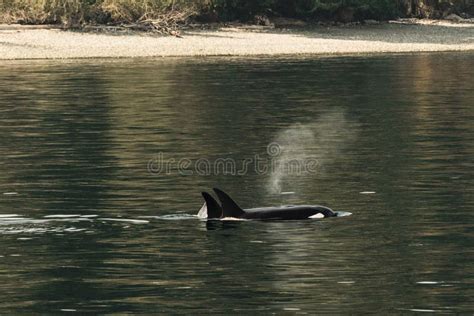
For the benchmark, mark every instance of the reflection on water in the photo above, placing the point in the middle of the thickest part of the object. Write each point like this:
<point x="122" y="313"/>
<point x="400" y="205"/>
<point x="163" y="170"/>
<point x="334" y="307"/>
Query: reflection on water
<point x="85" y="227"/>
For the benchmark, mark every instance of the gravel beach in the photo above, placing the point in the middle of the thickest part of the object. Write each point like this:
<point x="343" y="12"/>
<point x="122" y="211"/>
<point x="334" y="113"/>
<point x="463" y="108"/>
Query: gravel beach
<point x="20" y="42"/>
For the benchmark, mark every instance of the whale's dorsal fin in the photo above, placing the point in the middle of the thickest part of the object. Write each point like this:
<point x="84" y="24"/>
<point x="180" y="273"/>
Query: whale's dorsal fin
<point x="214" y="210"/>
<point x="229" y="207"/>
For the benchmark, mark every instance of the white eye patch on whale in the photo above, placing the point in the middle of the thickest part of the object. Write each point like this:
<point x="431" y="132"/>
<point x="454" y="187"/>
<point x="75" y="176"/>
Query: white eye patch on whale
<point x="229" y="209"/>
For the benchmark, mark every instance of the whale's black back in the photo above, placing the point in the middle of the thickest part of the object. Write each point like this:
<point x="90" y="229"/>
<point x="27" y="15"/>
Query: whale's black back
<point x="287" y="212"/>
<point x="229" y="208"/>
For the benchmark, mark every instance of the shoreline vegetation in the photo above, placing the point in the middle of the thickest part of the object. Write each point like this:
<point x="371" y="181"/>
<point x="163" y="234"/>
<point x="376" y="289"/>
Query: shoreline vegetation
<point x="34" y="29"/>
<point x="170" y="16"/>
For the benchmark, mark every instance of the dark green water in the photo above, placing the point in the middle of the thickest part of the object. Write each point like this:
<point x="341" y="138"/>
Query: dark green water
<point x="86" y="227"/>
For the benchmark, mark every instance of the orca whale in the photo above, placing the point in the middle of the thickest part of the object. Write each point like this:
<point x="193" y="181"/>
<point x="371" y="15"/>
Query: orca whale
<point x="230" y="209"/>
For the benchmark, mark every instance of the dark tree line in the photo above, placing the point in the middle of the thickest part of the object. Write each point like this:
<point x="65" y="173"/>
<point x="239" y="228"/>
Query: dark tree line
<point x="341" y="9"/>
<point x="76" y="12"/>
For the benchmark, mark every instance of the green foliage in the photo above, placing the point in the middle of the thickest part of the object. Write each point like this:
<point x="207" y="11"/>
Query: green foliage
<point x="379" y="9"/>
<point x="240" y="9"/>
<point x="244" y="9"/>
<point x="376" y="9"/>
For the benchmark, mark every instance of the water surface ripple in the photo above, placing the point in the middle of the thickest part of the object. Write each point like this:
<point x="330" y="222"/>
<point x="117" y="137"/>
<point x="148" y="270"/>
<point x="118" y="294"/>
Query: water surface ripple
<point x="86" y="228"/>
